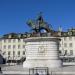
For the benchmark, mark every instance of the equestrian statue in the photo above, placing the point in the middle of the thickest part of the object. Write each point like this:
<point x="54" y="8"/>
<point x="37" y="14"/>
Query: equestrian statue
<point x="39" y="24"/>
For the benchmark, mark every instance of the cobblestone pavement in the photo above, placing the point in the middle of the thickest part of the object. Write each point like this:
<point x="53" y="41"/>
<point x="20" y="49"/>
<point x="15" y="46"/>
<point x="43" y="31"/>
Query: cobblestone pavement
<point x="19" y="70"/>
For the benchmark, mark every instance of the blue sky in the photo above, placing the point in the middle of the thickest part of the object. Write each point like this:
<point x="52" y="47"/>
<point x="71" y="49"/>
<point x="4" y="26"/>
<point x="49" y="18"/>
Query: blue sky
<point x="15" y="13"/>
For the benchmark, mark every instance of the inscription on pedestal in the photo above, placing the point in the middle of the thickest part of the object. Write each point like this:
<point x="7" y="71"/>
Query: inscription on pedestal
<point x="42" y="53"/>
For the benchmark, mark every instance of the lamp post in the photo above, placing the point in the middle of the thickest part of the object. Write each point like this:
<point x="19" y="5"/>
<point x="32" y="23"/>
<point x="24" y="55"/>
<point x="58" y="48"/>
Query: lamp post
<point x="13" y="56"/>
<point x="8" y="60"/>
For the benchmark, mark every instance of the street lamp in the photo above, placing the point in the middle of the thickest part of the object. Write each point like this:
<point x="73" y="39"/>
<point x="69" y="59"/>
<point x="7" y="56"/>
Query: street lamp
<point x="13" y="55"/>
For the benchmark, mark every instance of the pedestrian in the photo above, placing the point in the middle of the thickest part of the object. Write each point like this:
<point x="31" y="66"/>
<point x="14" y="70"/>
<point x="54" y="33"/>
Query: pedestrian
<point x="36" y="74"/>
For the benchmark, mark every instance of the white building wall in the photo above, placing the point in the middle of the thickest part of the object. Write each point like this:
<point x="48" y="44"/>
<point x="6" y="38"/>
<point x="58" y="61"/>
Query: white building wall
<point x="67" y="43"/>
<point x="64" y="40"/>
<point x="12" y="43"/>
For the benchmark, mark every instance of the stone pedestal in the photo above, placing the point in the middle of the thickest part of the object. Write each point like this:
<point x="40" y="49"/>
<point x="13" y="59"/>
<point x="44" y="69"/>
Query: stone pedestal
<point x="42" y="52"/>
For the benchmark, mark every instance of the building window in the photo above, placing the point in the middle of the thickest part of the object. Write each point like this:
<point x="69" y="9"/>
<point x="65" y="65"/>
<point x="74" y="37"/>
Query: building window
<point x="9" y="46"/>
<point x="18" y="53"/>
<point x="4" y="40"/>
<point x="4" y="53"/>
<point x="65" y="38"/>
<point x="23" y="52"/>
<point x="13" y="53"/>
<point x="65" y="52"/>
<point x="9" y="53"/>
<point x="14" y="40"/>
<point x="14" y="46"/>
<point x="65" y="44"/>
<point x="23" y="40"/>
<point x="19" y="40"/>
<point x="9" y="40"/>
<point x="23" y="46"/>
<point x="19" y="46"/>
<point x="70" y="45"/>
<point x="70" y="38"/>
<point x="70" y="33"/>
<point x="59" y="45"/>
<point x="71" y="52"/>
<point x="4" y="46"/>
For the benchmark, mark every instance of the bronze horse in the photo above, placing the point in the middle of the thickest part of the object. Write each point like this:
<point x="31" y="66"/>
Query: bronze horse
<point x="38" y="25"/>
